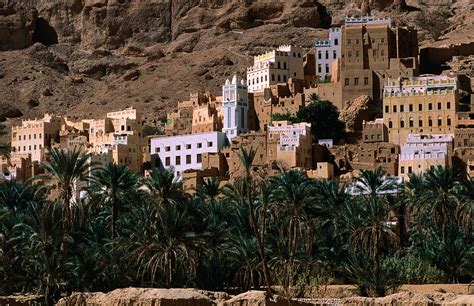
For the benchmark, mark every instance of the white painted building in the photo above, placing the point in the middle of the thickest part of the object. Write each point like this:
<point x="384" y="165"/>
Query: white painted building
<point x="235" y="106"/>
<point x="275" y="67"/>
<point x="367" y="20"/>
<point x="327" y="51"/>
<point x="184" y="152"/>
<point x="422" y="152"/>
<point x="419" y="85"/>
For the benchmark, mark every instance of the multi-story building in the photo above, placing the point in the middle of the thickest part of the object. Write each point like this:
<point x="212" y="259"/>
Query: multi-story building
<point x="235" y="105"/>
<point x="274" y="67"/>
<point x="33" y="137"/>
<point x="424" y="105"/>
<point x="290" y="144"/>
<point x="326" y="52"/>
<point x="373" y="51"/>
<point x="422" y="152"/>
<point x="374" y="131"/>
<point x="121" y="134"/>
<point x="278" y="99"/>
<point x="184" y="152"/>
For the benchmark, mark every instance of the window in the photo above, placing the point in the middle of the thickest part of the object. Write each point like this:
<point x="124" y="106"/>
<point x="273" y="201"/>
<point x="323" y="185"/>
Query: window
<point x="390" y="124"/>
<point x="440" y="122"/>
<point x="29" y="136"/>
<point x="122" y="127"/>
<point x="19" y="138"/>
<point x="420" y="122"/>
<point x="410" y="170"/>
<point x="327" y="54"/>
<point x="448" y="105"/>
<point x="448" y="121"/>
<point x="430" y="106"/>
<point x="273" y="77"/>
<point x="178" y="160"/>
<point x="430" y="122"/>
<point x="327" y="68"/>
<point x="319" y="68"/>
<point x="284" y="65"/>
<point x="366" y="81"/>
<point x="157" y="150"/>
<point x="356" y="81"/>
<point x="420" y="107"/>
<point x="188" y="159"/>
<point x="334" y="54"/>
<point x="394" y="108"/>
<point x="129" y="128"/>
<point x="336" y="42"/>
<point x="168" y="161"/>
<point x="209" y="143"/>
<point x="439" y="105"/>
<point x="346" y="82"/>
<point x="410" y="122"/>
<point x="284" y="78"/>
<point x="167" y="148"/>
<point x="178" y="147"/>
<point x="188" y="146"/>
<point x="39" y="135"/>
<point x="279" y="78"/>
<point x="319" y="54"/>
<point x="34" y="147"/>
<point x="199" y="158"/>
<point x="402" y="123"/>
<point x="410" y="107"/>
<point x="199" y="145"/>
<point x="402" y="108"/>
<point x="350" y="54"/>
<point x="278" y="64"/>
<point x="402" y="169"/>
<point x="386" y="108"/>
<point x="34" y="136"/>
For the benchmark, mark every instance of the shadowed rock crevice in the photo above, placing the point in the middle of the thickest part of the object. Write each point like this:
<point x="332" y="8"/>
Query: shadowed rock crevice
<point x="44" y="33"/>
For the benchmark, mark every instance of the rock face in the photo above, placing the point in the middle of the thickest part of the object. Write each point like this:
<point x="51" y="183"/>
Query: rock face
<point x="113" y="24"/>
<point x="356" y="112"/>
<point x="180" y="297"/>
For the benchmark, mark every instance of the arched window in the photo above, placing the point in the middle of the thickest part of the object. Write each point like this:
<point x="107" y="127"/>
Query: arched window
<point x="420" y="122"/>
<point x="430" y="121"/>
<point x="448" y="122"/>
<point x="410" y="122"/>
<point x="390" y="124"/>
<point x="440" y="121"/>
<point x="402" y="123"/>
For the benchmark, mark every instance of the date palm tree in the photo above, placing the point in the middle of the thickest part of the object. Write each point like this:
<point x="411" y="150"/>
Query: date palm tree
<point x="439" y="199"/>
<point x="372" y="230"/>
<point x="209" y="190"/>
<point x="68" y="169"/>
<point x="292" y="198"/>
<point x="164" y="187"/>
<point x="113" y="185"/>
<point x="247" y="158"/>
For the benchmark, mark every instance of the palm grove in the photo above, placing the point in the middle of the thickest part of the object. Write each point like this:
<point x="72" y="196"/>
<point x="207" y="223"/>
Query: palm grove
<point x="285" y="233"/>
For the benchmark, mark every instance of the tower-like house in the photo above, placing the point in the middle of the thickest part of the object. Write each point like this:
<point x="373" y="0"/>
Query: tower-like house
<point x="235" y="107"/>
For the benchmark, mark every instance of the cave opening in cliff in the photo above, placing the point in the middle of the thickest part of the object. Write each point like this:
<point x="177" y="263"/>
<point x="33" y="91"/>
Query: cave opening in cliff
<point x="44" y="33"/>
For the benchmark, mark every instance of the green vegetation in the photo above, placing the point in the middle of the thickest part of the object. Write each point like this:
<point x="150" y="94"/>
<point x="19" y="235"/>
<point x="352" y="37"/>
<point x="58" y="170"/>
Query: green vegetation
<point x="283" y="233"/>
<point x="323" y="116"/>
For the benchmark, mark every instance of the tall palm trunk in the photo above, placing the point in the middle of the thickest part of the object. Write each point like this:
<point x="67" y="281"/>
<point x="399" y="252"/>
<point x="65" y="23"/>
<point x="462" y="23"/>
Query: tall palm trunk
<point x="253" y="225"/>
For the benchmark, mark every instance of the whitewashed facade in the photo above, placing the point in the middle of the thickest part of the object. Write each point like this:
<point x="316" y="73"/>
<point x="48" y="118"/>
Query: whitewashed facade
<point x="422" y="152"/>
<point x="184" y="152"/>
<point x="275" y="67"/>
<point x="235" y="106"/>
<point x="326" y="52"/>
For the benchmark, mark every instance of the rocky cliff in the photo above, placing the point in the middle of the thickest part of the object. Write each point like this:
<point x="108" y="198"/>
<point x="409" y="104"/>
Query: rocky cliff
<point x="86" y="57"/>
